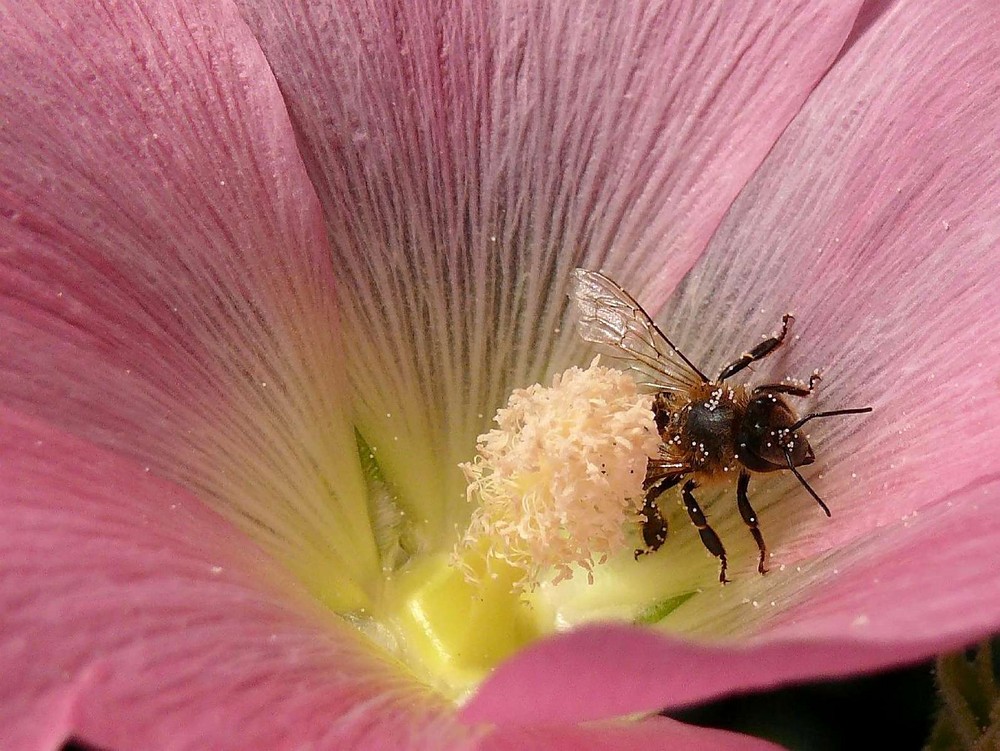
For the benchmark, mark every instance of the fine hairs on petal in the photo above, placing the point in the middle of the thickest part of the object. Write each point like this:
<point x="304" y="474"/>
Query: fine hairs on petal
<point x="556" y="482"/>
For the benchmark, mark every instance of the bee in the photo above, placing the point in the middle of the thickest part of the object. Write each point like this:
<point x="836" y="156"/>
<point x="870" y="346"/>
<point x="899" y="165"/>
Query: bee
<point x="708" y="428"/>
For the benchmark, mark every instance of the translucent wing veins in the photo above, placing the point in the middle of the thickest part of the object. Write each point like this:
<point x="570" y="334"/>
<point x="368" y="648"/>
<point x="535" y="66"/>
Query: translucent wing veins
<point x="610" y="316"/>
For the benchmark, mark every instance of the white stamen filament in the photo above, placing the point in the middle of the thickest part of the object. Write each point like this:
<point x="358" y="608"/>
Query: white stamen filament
<point x="559" y="479"/>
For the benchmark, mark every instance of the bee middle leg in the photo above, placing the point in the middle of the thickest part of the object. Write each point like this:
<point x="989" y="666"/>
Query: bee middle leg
<point x="654" y="525"/>
<point x="759" y="352"/>
<point x="750" y="517"/>
<point x="708" y="536"/>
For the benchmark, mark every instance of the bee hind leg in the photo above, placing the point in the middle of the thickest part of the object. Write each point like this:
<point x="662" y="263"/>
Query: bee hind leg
<point x="654" y="526"/>
<point x="708" y="536"/>
<point x="750" y="517"/>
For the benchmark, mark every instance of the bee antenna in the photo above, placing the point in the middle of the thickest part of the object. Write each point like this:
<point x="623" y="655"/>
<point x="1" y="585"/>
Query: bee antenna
<point x="834" y="413"/>
<point x="801" y="479"/>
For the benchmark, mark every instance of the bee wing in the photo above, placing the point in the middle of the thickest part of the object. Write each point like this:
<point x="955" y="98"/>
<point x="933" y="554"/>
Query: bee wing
<point x="609" y="316"/>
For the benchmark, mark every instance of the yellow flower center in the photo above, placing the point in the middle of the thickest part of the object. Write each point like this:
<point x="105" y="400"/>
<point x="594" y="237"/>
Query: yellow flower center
<point x="557" y="488"/>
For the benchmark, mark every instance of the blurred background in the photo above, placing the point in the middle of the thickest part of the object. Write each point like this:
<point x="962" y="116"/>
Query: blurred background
<point x="832" y="716"/>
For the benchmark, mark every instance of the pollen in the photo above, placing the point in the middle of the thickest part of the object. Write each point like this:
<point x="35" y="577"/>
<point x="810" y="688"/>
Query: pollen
<point x="559" y="480"/>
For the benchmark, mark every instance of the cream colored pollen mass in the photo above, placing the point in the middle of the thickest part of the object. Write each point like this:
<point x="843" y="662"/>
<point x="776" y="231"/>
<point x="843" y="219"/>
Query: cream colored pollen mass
<point x="559" y="479"/>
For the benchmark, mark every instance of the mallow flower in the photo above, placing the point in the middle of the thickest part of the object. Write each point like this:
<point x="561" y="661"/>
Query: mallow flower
<point x="268" y="269"/>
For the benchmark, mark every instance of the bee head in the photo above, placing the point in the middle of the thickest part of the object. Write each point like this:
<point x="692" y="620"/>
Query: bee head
<point x="769" y="435"/>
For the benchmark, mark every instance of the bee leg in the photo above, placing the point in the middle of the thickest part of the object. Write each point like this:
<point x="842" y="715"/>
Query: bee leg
<point x="759" y="352"/>
<point x="708" y="537"/>
<point x="654" y="526"/>
<point x="750" y="517"/>
<point x="788" y="388"/>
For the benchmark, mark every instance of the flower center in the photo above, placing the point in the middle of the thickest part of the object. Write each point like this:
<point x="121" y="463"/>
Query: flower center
<point x="451" y="627"/>
<point x="557" y="488"/>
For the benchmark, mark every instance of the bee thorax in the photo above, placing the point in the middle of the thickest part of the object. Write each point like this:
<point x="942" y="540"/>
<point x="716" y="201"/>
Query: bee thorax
<point x="703" y="431"/>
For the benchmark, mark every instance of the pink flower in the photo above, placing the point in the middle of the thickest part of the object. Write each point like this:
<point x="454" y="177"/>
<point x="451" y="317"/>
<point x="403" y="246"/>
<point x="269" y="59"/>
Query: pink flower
<point x="237" y="240"/>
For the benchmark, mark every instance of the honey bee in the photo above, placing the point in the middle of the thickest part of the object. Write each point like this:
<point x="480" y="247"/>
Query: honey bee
<point x="708" y="428"/>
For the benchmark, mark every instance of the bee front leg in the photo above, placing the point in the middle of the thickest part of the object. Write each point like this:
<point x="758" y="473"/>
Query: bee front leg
<point x="750" y="517"/>
<point x="759" y="352"/>
<point x="708" y="537"/>
<point x="654" y="526"/>
<point x="788" y="388"/>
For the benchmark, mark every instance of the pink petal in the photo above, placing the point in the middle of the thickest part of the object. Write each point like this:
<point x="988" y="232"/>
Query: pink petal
<point x="469" y="155"/>
<point x="132" y="617"/>
<point x="648" y="735"/>
<point x="601" y="671"/>
<point x="165" y="283"/>
<point x="875" y="220"/>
